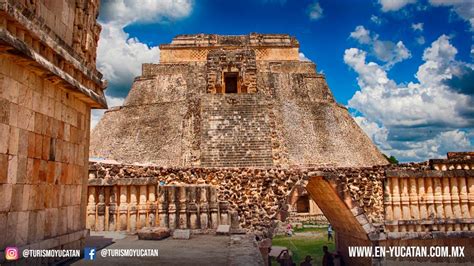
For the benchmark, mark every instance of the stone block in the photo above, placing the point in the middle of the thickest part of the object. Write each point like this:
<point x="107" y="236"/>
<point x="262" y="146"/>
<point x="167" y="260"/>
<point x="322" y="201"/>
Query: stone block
<point x="13" y="116"/>
<point x="12" y="168"/>
<point x="182" y="234"/>
<point x="3" y="229"/>
<point x="153" y="233"/>
<point x="4" y="136"/>
<point x="13" y="140"/>
<point x="4" y="111"/>
<point x="6" y="191"/>
<point x="223" y="229"/>
<point x="3" y="168"/>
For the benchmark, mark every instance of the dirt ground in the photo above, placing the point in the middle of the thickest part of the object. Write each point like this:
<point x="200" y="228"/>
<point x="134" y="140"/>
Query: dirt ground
<point x="199" y="250"/>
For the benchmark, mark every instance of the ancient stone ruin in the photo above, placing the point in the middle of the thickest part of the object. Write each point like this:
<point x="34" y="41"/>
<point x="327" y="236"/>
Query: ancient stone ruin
<point x="49" y="83"/>
<point x="242" y="122"/>
<point x="232" y="101"/>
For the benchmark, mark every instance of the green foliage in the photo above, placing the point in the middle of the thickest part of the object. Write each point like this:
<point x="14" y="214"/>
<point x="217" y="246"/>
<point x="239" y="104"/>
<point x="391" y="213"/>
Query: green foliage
<point x="391" y="159"/>
<point x="303" y="245"/>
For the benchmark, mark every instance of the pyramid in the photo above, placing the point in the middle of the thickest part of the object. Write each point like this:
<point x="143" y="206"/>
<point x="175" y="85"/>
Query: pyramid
<point x="232" y="101"/>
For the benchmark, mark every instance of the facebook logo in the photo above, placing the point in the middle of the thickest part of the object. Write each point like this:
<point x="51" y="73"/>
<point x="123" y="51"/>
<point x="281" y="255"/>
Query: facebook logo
<point x="89" y="253"/>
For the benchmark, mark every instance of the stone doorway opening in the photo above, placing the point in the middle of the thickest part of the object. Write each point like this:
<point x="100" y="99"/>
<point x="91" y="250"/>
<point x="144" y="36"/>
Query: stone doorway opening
<point x="230" y="80"/>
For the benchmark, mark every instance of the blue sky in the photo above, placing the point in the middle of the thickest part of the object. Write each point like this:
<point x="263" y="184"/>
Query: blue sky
<point x="403" y="67"/>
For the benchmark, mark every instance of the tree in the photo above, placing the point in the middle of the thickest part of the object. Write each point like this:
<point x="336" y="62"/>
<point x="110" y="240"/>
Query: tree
<point x="391" y="159"/>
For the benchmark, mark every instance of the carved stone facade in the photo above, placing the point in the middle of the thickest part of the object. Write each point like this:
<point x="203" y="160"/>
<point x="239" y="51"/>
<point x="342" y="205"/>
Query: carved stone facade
<point x="49" y="84"/>
<point x="129" y="207"/>
<point x="232" y="101"/>
<point x="366" y="206"/>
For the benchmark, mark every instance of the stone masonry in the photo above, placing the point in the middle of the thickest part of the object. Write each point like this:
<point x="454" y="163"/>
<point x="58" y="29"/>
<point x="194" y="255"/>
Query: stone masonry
<point x="379" y="205"/>
<point x="48" y="85"/>
<point x="232" y="101"/>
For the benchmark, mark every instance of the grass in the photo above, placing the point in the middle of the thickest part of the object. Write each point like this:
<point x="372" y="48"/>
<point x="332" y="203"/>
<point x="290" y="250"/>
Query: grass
<point x="303" y="245"/>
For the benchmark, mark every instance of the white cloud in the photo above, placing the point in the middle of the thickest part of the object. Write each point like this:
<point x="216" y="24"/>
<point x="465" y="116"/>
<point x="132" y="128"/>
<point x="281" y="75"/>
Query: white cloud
<point x="361" y="34"/>
<point x="464" y="8"/>
<point x="386" y="51"/>
<point x="420" y="40"/>
<point x="127" y="12"/>
<point x="376" y="19"/>
<point x="315" y="11"/>
<point x="417" y="26"/>
<point x="418" y="120"/>
<point x="302" y="57"/>
<point x="119" y="57"/>
<point x="394" y="5"/>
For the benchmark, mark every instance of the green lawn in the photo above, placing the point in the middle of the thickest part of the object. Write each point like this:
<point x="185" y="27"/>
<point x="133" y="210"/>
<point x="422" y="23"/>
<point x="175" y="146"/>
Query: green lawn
<point x="305" y="245"/>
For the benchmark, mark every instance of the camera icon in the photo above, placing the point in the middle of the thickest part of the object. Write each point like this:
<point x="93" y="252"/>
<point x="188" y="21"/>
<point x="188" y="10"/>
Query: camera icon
<point x="11" y="253"/>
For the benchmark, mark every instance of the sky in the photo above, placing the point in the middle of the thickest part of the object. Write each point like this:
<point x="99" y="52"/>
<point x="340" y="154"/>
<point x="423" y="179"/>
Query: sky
<point x="403" y="68"/>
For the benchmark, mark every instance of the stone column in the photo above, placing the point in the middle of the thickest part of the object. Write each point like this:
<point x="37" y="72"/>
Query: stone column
<point x="91" y="209"/>
<point x="123" y="208"/>
<point x="438" y="201"/>
<point x="214" y="208"/>
<point x="422" y="200"/>
<point x="151" y="206"/>
<point x="455" y="201"/>
<point x="203" y="207"/>
<point x="192" y="208"/>
<point x="470" y="189"/>
<point x="113" y="209"/>
<point x="388" y="200"/>
<point x="133" y="208"/>
<point x="413" y="195"/>
<point x="234" y="220"/>
<point x="101" y="209"/>
<point x="172" y="206"/>
<point x="448" y="210"/>
<point x="224" y="212"/>
<point x="142" y="207"/>
<point x="464" y="201"/>
<point x="397" y="212"/>
<point x="183" y="210"/>
<point x="162" y="206"/>
<point x="430" y="200"/>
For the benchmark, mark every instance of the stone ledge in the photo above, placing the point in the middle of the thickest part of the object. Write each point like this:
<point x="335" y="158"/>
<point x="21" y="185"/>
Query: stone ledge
<point x="95" y="99"/>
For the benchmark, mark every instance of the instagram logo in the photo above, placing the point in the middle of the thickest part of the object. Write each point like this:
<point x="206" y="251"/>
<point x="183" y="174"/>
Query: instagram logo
<point x="11" y="253"/>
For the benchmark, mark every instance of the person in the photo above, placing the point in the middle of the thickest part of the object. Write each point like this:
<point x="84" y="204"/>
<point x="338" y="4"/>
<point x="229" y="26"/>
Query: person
<point x="328" y="260"/>
<point x="289" y="230"/>
<point x="330" y="232"/>
<point x="307" y="261"/>
<point x="338" y="259"/>
<point x="284" y="258"/>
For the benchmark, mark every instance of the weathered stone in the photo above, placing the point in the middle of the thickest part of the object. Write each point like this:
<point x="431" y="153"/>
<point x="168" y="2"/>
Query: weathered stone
<point x="182" y="234"/>
<point x="223" y="229"/>
<point x="227" y="99"/>
<point x="49" y="83"/>
<point x="153" y="233"/>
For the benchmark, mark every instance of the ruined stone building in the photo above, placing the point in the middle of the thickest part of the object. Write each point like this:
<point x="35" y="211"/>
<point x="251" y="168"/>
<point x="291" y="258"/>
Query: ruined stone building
<point x="226" y="129"/>
<point x="48" y="85"/>
<point x="232" y="101"/>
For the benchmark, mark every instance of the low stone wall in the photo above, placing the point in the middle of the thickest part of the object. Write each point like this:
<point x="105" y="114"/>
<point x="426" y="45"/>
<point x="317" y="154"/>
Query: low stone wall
<point x="384" y="195"/>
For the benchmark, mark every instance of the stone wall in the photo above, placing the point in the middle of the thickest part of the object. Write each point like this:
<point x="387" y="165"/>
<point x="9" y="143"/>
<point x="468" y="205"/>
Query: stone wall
<point x="195" y="48"/>
<point x="241" y="62"/>
<point x="366" y="196"/>
<point x="47" y="89"/>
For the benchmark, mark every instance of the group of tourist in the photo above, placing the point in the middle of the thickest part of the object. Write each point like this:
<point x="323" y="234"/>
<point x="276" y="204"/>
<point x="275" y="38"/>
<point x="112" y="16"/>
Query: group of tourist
<point x="329" y="259"/>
